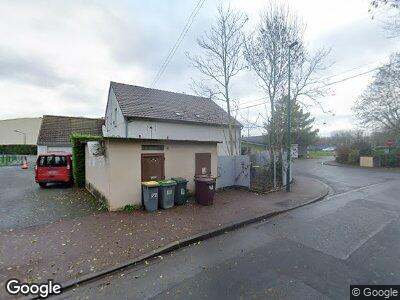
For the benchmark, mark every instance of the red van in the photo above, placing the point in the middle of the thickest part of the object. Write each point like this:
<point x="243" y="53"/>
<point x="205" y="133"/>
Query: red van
<point x="53" y="167"/>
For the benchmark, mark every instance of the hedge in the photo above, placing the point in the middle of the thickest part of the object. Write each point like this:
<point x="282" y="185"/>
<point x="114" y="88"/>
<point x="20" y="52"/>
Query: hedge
<point x="78" y="156"/>
<point x="18" y="149"/>
<point x="389" y="160"/>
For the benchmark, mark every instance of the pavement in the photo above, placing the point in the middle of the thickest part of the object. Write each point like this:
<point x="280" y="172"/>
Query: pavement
<point x="23" y="203"/>
<point x="312" y="252"/>
<point x="76" y="248"/>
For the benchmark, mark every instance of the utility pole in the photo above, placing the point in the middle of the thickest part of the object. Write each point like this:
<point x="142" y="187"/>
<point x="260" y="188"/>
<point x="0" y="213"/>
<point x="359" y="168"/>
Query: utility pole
<point x="289" y="125"/>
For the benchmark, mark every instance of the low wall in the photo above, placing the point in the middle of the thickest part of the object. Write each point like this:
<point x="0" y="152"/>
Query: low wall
<point x="367" y="161"/>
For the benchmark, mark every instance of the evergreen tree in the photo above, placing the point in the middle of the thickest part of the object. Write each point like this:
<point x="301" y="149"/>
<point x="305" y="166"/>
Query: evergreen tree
<point x="302" y="131"/>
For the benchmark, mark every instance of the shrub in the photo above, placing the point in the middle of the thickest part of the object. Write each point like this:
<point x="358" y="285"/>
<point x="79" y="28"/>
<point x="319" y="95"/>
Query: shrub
<point x="130" y="207"/>
<point x="342" y="154"/>
<point x="18" y="149"/>
<point x="389" y="160"/>
<point x="353" y="157"/>
<point x="78" y="156"/>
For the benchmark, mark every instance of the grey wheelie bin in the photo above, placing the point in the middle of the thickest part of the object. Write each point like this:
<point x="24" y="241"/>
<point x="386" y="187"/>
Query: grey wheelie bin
<point x="166" y="193"/>
<point x="150" y="195"/>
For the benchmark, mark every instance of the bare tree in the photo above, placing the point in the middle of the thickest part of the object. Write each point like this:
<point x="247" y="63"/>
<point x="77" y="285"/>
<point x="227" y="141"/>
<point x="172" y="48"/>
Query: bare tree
<point x="379" y="105"/>
<point x="220" y="60"/>
<point x="267" y="53"/>
<point x="391" y="19"/>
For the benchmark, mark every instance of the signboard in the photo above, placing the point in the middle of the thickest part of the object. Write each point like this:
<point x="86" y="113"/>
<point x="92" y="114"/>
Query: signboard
<point x="295" y="151"/>
<point x="389" y="142"/>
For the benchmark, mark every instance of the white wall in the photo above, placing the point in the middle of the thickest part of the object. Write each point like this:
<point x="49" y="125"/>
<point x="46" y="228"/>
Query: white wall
<point x="115" y="126"/>
<point x="43" y="149"/>
<point x="97" y="174"/>
<point x="30" y="126"/>
<point x="115" y="122"/>
<point x="180" y="131"/>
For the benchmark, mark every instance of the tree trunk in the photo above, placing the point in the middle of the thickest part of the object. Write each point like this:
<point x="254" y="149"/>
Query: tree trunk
<point x="230" y="128"/>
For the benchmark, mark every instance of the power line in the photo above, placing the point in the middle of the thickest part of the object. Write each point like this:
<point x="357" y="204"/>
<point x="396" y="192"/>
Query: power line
<point x="178" y="42"/>
<point x="331" y="76"/>
<point x="351" y="77"/>
<point x="327" y="84"/>
<point x="349" y="70"/>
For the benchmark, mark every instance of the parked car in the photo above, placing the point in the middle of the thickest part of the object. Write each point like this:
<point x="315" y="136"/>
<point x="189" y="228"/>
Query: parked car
<point x="329" y="149"/>
<point x="53" y="167"/>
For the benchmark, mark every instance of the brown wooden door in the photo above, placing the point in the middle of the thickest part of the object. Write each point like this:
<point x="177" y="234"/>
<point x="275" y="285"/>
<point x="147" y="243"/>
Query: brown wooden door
<point x="203" y="164"/>
<point x="153" y="167"/>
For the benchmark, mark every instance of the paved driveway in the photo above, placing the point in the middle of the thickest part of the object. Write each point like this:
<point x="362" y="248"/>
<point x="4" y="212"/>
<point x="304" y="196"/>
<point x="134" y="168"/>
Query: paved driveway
<point x="23" y="203"/>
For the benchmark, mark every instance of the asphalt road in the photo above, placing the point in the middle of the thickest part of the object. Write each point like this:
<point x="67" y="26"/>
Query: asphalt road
<point x="314" y="252"/>
<point x="23" y="203"/>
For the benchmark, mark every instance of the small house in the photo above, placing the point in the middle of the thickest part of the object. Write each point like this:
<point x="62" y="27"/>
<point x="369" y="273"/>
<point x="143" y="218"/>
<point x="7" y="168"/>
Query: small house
<point x="152" y="134"/>
<point x="55" y="132"/>
<point x="145" y="113"/>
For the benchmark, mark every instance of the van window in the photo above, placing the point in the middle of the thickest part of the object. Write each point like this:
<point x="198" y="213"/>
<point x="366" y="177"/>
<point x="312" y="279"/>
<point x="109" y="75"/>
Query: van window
<point x="52" y="161"/>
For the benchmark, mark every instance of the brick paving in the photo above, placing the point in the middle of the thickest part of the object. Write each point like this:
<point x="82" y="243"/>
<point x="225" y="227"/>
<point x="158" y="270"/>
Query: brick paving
<point x="71" y="248"/>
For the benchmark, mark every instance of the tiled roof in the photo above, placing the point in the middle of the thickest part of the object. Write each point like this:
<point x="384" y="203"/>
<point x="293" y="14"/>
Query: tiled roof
<point x="56" y="130"/>
<point x="258" y="139"/>
<point x="141" y="102"/>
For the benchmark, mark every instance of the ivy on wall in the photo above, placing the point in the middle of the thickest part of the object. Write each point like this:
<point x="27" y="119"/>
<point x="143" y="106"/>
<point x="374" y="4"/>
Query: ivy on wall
<point x="78" y="141"/>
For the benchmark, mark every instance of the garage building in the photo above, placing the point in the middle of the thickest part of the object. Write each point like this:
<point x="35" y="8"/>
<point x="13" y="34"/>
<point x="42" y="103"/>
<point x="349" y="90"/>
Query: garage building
<point x="116" y="175"/>
<point x="20" y="131"/>
<point x="55" y="132"/>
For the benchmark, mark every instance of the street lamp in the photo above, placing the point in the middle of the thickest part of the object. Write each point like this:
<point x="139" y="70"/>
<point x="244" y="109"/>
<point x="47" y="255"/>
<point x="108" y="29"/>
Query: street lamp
<point x="18" y="131"/>
<point x="289" y="125"/>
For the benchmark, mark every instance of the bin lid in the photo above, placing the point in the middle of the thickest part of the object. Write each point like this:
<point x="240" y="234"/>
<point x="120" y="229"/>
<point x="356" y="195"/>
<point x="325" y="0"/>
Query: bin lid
<point x="150" y="183"/>
<point x="179" y="179"/>
<point x="167" y="182"/>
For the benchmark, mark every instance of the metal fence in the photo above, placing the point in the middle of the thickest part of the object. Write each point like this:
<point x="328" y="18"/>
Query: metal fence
<point x="233" y="171"/>
<point x="253" y="171"/>
<point x="10" y="160"/>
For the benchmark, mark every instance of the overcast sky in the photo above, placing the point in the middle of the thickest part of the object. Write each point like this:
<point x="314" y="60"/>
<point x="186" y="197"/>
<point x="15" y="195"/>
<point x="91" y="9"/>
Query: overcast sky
<point x="58" y="57"/>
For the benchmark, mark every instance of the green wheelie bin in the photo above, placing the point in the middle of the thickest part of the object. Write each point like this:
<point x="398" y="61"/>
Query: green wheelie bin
<point x="166" y="193"/>
<point x="180" y="190"/>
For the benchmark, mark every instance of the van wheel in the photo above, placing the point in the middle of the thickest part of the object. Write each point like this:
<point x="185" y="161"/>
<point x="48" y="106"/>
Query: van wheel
<point x="42" y="184"/>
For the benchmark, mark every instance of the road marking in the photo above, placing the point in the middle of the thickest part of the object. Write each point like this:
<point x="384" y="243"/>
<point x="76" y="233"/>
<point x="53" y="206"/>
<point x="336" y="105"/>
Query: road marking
<point x="358" y="189"/>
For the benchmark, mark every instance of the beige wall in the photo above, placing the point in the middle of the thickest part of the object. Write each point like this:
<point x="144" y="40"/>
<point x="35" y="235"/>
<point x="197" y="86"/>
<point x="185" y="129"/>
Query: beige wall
<point x="121" y="168"/>
<point x="30" y="126"/>
<point x="97" y="175"/>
